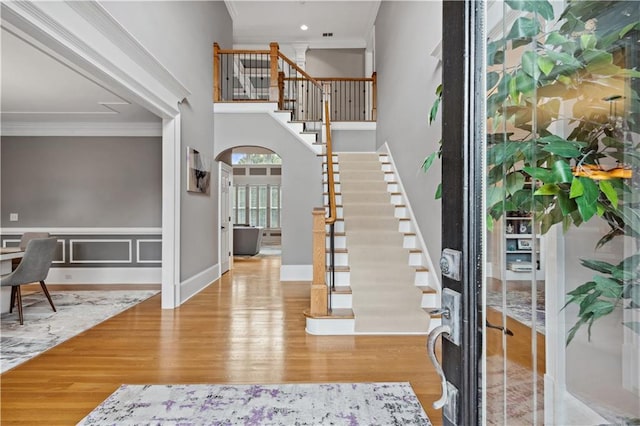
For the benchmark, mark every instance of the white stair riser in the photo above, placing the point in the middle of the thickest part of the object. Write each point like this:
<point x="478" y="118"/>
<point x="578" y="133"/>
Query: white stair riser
<point x="422" y="278"/>
<point x="416" y="259"/>
<point x="342" y="278"/>
<point x="346" y="327"/>
<point x="345" y="301"/>
<point x="401" y="212"/>
<point x="391" y="187"/>
<point x="341" y="259"/>
<point x="339" y="242"/>
<point x="410" y="241"/>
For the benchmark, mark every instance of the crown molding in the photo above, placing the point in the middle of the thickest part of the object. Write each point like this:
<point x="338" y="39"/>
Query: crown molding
<point x="85" y="37"/>
<point x="231" y="8"/>
<point x="24" y="128"/>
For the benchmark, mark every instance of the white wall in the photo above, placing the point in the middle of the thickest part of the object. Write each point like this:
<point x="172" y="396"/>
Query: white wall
<point x="180" y="34"/>
<point x="406" y="33"/>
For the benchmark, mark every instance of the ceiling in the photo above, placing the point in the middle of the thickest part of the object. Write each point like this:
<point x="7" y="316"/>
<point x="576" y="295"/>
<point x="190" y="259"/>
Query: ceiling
<point x="39" y="88"/>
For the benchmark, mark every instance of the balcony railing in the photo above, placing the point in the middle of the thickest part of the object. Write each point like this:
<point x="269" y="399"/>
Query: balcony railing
<point x="269" y="76"/>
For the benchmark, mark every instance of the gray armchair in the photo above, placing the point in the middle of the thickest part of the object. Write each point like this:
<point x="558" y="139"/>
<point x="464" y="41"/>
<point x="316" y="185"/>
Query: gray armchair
<point x="33" y="268"/>
<point x="26" y="237"/>
<point x="246" y="240"/>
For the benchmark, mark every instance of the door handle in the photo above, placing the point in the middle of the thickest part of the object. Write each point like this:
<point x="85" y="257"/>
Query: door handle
<point x="431" y="351"/>
<point x="505" y="330"/>
<point x="223" y="227"/>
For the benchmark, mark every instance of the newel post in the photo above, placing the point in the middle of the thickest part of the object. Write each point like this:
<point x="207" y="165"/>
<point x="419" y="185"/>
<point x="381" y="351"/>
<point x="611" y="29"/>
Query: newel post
<point x="216" y="72"/>
<point x="374" y="97"/>
<point x="274" y="89"/>
<point x="319" y="305"/>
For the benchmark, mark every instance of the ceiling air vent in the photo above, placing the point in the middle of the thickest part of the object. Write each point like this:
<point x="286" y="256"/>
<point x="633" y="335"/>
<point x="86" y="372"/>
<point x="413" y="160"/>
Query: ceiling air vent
<point x="327" y="34"/>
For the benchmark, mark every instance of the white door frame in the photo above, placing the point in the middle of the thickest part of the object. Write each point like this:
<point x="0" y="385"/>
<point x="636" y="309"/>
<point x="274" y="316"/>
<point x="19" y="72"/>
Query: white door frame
<point x="223" y="166"/>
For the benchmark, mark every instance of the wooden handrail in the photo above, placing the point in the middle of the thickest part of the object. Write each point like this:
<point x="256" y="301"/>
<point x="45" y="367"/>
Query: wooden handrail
<point x="300" y="70"/>
<point x="330" y="181"/>
<point x="345" y="79"/>
<point x="243" y="52"/>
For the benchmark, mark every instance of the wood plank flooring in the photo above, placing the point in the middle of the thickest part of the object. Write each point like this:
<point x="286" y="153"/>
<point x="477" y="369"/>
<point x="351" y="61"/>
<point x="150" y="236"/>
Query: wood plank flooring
<point x="247" y="327"/>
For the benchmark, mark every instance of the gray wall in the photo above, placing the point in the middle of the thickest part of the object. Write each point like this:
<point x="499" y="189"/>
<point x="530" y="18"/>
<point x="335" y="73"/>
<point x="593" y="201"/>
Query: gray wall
<point x="335" y="63"/>
<point x="301" y="176"/>
<point x="353" y="140"/>
<point x="181" y="35"/>
<point x="81" y="181"/>
<point x="406" y="34"/>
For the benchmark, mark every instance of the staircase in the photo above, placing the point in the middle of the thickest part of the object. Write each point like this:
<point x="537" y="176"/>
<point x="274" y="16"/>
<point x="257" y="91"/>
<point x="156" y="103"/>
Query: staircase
<point x="381" y="283"/>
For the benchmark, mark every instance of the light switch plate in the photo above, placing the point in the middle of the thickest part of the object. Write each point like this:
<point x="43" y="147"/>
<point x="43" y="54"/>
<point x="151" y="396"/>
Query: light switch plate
<point x="13" y="217"/>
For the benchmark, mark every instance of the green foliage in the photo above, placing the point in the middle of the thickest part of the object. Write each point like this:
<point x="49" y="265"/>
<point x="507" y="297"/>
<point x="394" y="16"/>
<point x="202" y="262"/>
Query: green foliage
<point x="579" y="68"/>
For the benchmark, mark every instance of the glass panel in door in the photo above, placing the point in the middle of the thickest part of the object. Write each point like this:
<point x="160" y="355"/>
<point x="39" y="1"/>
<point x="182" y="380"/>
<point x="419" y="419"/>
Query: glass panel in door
<point x="562" y="288"/>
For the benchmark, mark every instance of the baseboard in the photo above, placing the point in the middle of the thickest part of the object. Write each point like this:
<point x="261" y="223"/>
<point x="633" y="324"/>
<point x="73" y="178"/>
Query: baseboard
<point x="192" y="286"/>
<point x="296" y="272"/>
<point x="104" y="276"/>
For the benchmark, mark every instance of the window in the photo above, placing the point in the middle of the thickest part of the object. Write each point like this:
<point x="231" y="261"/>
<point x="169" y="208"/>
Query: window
<point x="257" y="205"/>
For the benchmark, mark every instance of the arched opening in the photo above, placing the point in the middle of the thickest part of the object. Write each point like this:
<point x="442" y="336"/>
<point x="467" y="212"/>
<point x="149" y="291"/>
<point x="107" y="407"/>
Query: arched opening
<point x="255" y="201"/>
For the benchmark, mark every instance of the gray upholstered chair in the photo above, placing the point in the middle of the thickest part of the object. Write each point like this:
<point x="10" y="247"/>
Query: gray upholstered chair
<point x="26" y="237"/>
<point x="33" y="268"/>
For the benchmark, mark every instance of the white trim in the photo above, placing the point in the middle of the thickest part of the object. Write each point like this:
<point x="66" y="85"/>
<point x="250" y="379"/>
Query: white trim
<point x="296" y="272"/>
<point x="29" y="128"/>
<point x="434" y="279"/>
<point x="72" y="260"/>
<point x="192" y="286"/>
<point x="84" y="231"/>
<point x="231" y="8"/>
<point x="171" y="189"/>
<point x="104" y="275"/>
<point x="64" y="250"/>
<point x="353" y="125"/>
<point x="138" y="250"/>
<point x="4" y="242"/>
<point x="85" y="37"/>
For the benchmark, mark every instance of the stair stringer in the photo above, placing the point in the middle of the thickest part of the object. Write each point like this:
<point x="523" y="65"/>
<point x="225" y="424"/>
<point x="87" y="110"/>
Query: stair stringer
<point x="281" y="117"/>
<point x="434" y="279"/>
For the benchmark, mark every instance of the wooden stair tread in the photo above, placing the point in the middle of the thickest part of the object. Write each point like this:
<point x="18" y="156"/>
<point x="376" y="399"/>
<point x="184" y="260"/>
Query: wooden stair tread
<point x="426" y="289"/>
<point x="421" y="268"/>
<point x="428" y="310"/>
<point x="342" y="313"/>
<point x="337" y="250"/>
<point x="337" y="234"/>
<point x="339" y="269"/>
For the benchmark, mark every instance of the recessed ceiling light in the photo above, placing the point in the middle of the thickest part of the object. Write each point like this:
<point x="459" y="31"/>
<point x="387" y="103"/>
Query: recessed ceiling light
<point x="303" y="27"/>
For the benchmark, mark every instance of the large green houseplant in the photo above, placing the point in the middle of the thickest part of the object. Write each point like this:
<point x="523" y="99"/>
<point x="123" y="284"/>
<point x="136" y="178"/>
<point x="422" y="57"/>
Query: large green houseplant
<point x="576" y="77"/>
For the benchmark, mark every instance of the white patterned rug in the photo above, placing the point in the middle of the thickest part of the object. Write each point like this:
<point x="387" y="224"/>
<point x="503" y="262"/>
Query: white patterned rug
<point x="44" y="329"/>
<point x="285" y="404"/>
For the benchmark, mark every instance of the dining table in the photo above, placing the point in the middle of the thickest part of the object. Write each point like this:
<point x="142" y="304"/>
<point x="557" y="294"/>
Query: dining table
<point x="7" y="254"/>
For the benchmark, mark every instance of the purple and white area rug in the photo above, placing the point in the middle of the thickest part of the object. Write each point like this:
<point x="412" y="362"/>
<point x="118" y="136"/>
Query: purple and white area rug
<point x="286" y="404"/>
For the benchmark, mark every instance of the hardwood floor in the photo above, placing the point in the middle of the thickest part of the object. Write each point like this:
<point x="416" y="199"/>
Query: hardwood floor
<point x="246" y="327"/>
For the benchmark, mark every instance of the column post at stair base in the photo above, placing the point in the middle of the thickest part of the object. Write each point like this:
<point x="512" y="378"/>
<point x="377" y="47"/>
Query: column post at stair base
<point x="216" y="73"/>
<point x="319" y="305"/>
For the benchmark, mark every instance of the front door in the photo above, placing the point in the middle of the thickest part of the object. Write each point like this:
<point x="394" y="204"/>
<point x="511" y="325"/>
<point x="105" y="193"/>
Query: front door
<point x="540" y="201"/>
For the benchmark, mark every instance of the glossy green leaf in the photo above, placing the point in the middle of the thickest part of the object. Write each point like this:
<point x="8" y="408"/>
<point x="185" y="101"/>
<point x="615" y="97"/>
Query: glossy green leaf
<point x="433" y="112"/>
<point x="567" y="60"/>
<point x="495" y="195"/>
<point x="598" y="265"/>
<point x="600" y="209"/>
<point x="563" y="149"/>
<point x="545" y="64"/>
<point x="541" y="7"/>
<point x="583" y="289"/>
<point x="524" y="27"/>
<point x="548" y="189"/>
<point x="561" y="171"/>
<point x="539" y="173"/>
<point x="525" y="83"/>
<point x="608" y="287"/>
<point x="588" y="41"/>
<point x="593" y="56"/>
<point x="567" y="205"/>
<point x="515" y="182"/>
<point x="609" y="192"/>
<point x="587" y="201"/>
<point x="492" y="79"/>
<point x="530" y="64"/>
<point x="438" y="194"/>
<point x="576" y="189"/>
<point x="556" y="39"/>
<point x="428" y="162"/>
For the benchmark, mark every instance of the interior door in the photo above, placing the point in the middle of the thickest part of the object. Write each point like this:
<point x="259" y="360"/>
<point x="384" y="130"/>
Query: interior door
<point x="225" y="218"/>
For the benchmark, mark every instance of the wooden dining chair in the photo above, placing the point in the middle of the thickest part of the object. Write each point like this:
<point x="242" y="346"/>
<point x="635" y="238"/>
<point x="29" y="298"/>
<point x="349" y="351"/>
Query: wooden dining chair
<point x="34" y="268"/>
